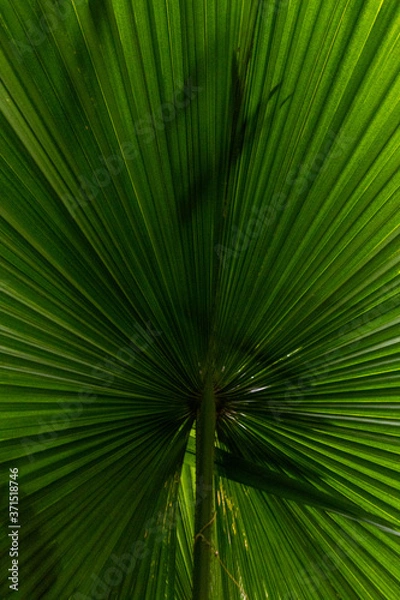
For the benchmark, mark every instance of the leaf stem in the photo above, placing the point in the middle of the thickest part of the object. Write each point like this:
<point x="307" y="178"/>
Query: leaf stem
<point x="205" y="515"/>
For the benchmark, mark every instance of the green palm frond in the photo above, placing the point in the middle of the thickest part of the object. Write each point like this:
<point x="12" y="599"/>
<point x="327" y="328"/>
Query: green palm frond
<point x="195" y="189"/>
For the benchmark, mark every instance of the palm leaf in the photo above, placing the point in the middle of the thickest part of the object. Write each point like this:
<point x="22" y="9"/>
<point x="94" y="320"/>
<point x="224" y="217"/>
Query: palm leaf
<point x="174" y="173"/>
